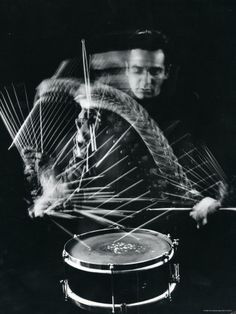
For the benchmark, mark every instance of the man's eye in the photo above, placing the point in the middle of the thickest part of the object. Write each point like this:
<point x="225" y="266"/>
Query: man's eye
<point x="156" y="71"/>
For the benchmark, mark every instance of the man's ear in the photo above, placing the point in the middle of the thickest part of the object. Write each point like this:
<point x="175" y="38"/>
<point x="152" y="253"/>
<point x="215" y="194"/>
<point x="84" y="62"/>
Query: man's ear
<point x="167" y="71"/>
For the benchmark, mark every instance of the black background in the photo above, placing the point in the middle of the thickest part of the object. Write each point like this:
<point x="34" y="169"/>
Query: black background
<point x="35" y="36"/>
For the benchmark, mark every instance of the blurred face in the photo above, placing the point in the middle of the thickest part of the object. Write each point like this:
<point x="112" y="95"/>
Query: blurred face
<point x="146" y="72"/>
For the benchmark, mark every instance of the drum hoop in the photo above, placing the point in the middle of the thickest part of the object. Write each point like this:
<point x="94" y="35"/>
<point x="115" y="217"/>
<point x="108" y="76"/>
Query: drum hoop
<point x="119" y="268"/>
<point x="85" y="303"/>
<point x="78" y="265"/>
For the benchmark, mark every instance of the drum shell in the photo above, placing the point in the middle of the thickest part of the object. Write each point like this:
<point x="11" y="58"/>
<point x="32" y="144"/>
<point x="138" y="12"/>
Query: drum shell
<point x="127" y="287"/>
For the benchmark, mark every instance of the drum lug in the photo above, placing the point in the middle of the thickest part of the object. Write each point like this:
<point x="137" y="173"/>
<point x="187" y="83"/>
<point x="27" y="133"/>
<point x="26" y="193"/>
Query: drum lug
<point x="123" y="308"/>
<point x="165" y="257"/>
<point x="112" y="289"/>
<point x="168" y="296"/>
<point x="64" y="285"/>
<point x="65" y="255"/>
<point x="176" y="275"/>
<point x="175" y="244"/>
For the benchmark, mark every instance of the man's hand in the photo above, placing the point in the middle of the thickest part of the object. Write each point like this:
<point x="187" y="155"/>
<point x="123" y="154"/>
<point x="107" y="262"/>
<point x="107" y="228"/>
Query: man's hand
<point x="203" y="208"/>
<point x="31" y="158"/>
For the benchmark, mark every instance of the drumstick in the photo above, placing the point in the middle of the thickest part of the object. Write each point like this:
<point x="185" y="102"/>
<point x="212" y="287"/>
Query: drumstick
<point x="165" y="211"/>
<point x="185" y="208"/>
<point x="101" y="220"/>
<point x="70" y="233"/>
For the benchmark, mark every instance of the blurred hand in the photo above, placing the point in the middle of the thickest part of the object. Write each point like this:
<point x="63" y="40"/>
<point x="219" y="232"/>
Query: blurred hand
<point x="202" y="209"/>
<point x="31" y="158"/>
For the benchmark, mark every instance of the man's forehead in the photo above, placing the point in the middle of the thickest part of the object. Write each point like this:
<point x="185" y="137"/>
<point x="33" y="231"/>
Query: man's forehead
<point x="146" y="58"/>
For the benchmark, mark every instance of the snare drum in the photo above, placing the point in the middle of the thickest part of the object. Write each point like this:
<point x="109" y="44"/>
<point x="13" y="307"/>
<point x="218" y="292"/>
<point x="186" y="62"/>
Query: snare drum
<point x="114" y="269"/>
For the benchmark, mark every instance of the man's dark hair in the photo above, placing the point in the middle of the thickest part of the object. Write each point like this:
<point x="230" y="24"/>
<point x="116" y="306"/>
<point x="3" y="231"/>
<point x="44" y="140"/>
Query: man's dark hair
<point x="151" y="40"/>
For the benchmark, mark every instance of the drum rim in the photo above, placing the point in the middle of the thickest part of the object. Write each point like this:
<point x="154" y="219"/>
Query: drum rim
<point x="89" y="304"/>
<point x="133" y="266"/>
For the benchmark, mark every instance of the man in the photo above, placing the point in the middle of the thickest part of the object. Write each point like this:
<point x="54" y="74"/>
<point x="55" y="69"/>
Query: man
<point x="147" y="69"/>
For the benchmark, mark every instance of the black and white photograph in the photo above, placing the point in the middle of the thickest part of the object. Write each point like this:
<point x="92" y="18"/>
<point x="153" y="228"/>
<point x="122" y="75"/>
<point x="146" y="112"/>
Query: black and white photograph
<point x="118" y="157"/>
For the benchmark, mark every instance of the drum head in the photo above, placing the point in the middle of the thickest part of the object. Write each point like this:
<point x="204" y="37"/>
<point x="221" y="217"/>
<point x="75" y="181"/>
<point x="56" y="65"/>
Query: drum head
<point x="100" y="249"/>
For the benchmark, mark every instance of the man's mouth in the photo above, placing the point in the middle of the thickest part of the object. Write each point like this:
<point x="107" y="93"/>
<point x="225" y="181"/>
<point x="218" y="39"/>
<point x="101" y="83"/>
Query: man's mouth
<point x="145" y="90"/>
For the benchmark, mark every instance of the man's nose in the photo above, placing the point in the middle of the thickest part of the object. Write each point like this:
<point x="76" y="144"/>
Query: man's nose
<point x="147" y="77"/>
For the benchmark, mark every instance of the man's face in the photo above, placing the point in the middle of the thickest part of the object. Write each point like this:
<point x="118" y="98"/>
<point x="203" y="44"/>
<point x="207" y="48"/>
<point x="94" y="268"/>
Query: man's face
<point x="146" y="72"/>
